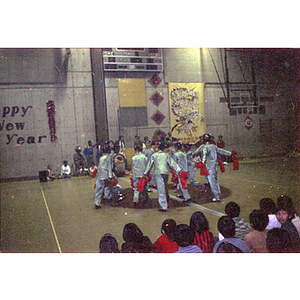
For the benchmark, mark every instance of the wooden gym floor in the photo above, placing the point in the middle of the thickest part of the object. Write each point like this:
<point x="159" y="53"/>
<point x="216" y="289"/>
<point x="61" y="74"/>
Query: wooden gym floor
<point x="59" y="216"/>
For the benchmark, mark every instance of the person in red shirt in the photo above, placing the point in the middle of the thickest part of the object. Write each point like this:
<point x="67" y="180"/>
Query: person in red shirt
<point x="166" y="242"/>
<point x="203" y="238"/>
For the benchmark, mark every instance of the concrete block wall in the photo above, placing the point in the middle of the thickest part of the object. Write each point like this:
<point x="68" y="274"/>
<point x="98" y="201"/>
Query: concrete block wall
<point x="112" y="99"/>
<point x="74" y="118"/>
<point x="204" y="65"/>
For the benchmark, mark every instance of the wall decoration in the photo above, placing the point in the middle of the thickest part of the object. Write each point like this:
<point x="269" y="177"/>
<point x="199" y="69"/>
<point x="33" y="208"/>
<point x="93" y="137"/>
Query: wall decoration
<point x="51" y="120"/>
<point x="187" y="111"/>
<point x="158" y="117"/>
<point x="156" y="98"/>
<point x="232" y="111"/>
<point x="248" y="123"/>
<point x="155" y="80"/>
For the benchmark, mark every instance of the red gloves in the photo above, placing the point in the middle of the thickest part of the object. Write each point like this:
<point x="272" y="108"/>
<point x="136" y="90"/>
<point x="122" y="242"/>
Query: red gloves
<point x="203" y="171"/>
<point x="111" y="182"/>
<point x="141" y="184"/>
<point x="183" y="179"/>
<point x="94" y="173"/>
<point x="174" y="178"/>
<point x="235" y="161"/>
<point x="221" y="164"/>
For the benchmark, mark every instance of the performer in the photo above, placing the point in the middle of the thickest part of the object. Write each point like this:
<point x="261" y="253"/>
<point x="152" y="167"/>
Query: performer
<point x="149" y="151"/>
<point x="105" y="178"/>
<point x="182" y="162"/>
<point x="191" y="167"/>
<point x="161" y="163"/>
<point x="139" y="163"/>
<point x="209" y="158"/>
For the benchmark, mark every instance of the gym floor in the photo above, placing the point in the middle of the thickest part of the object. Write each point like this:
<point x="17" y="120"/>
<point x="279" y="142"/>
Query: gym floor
<point x="59" y="216"/>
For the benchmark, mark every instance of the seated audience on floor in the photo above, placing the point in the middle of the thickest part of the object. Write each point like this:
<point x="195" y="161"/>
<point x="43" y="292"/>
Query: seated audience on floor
<point x="184" y="239"/>
<point x="232" y="210"/>
<point x="49" y="173"/>
<point x="202" y="237"/>
<point x="135" y="240"/>
<point x="108" y="244"/>
<point x="295" y="217"/>
<point x="65" y="171"/>
<point x="267" y="205"/>
<point x="257" y="238"/>
<point x="279" y="241"/>
<point x="226" y="227"/>
<point x="166" y="242"/>
<point x="284" y="213"/>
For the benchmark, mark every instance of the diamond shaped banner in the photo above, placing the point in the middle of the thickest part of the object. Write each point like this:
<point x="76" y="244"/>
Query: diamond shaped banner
<point x="156" y="98"/>
<point x="155" y="80"/>
<point x="158" y="117"/>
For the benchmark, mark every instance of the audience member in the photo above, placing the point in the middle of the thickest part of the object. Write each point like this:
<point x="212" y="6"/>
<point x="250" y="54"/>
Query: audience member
<point x="108" y="244"/>
<point x="202" y="237"/>
<point x="242" y="227"/>
<point x="184" y="239"/>
<point x="79" y="161"/>
<point x="284" y="213"/>
<point x="295" y="218"/>
<point x="135" y="240"/>
<point x="267" y="205"/>
<point x="89" y="153"/>
<point x="49" y="173"/>
<point x="278" y="241"/>
<point x="166" y="242"/>
<point x="65" y="170"/>
<point x="256" y="239"/>
<point x="226" y="227"/>
<point x="228" y="248"/>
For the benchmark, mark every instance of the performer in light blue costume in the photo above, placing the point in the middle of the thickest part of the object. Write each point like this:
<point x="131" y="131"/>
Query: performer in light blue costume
<point x="149" y="151"/>
<point x="191" y="166"/>
<point x="161" y="163"/>
<point x="139" y="163"/>
<point x="209" y="158"/>
<point x="182" y="162"/>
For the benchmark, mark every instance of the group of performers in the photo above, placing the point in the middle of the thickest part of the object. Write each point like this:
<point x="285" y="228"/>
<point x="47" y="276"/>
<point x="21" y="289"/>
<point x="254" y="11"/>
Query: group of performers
<point x="152" y="169"/>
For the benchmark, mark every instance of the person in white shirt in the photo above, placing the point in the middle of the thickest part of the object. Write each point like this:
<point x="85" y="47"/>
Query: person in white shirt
<point x="65" y="170"/>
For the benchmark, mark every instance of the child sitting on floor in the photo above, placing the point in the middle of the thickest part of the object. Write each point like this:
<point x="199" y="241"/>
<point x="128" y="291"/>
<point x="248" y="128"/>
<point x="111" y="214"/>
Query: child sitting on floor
<point x="257" y="238"/>
<point x="284" y="213"/>
<point x="267" y="205"/>
<point x="166" y="242"/>
<point x="242" y="227"/>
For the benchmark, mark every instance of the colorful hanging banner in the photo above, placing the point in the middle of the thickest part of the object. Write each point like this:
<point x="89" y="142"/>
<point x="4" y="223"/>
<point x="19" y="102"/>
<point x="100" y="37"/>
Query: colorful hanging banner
<point x="187" y="111"/>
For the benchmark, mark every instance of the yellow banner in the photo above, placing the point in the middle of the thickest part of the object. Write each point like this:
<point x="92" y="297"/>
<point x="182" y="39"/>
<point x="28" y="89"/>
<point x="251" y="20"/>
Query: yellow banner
<point x="187" y="111"/>
<point x="132" y="92"/>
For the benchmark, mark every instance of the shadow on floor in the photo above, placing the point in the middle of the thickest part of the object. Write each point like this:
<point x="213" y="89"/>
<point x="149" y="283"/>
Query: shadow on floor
<point x="151" y="203"/>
